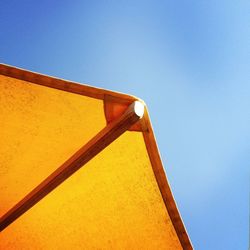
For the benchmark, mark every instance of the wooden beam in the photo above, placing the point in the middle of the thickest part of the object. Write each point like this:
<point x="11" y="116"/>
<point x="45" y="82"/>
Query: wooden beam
<point x="113" y="108"/>
<point x="64" y="85"/>
<point x="112" y="131"/>
<point x="163" y="184"/>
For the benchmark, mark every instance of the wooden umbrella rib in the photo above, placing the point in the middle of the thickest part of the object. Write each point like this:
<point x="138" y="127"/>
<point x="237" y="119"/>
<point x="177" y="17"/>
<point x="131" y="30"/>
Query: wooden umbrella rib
<point x="163" y="184"/>
<point x="81" y="157"/>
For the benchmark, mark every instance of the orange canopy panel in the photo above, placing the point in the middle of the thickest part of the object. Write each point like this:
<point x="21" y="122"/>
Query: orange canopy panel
<point x="80" y="169"/>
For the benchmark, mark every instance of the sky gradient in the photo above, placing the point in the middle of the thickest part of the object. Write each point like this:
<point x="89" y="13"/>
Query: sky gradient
<point x="188" y="60"/>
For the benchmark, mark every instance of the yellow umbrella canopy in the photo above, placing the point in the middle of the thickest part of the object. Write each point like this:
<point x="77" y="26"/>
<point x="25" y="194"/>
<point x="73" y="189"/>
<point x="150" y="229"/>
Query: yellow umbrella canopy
<point x="80" y="169"/>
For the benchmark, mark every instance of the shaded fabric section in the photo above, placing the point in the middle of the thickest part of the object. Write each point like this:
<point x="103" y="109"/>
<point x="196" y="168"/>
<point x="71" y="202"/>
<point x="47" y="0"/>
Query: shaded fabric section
<point x="40" y="128"/>
<point x="113" y="202"/>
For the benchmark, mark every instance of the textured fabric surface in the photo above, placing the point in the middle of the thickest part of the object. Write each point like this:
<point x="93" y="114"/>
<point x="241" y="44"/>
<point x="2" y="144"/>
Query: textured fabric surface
<point x="113" y="202"/>
<point x="40" y="128"/>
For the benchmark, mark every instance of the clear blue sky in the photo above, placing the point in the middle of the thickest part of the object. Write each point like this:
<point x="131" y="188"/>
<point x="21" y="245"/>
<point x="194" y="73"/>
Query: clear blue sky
<point x="189" y="61"/>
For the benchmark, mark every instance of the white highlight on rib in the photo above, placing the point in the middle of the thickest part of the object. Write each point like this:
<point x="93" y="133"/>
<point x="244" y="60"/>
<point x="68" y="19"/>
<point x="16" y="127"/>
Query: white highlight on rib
<point x="139" y="108"/>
